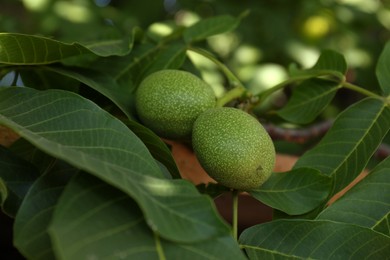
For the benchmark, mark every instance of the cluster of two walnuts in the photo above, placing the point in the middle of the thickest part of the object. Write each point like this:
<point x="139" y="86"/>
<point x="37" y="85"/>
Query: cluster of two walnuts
<point x="231" y="145"/>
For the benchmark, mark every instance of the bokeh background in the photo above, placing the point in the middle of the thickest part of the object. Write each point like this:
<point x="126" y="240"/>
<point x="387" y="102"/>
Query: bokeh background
<point x="275" y="34"/>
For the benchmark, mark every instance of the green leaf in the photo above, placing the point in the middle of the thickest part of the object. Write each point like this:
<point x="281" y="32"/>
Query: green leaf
<point x="25" y="150"/>
<point x="212" y="189"/>
<point x="305" y="239"/>
<point x="295" y="192"/>
<point x="331" y="60"/>
<point x="329" y="63"/>
<point x="384" y="225"/>
<point x="171" y="57"/>
<point x="101" y="82"/>
<point x="147" y="59"/>
<point x="157" y="148"/>
<point x="122" y="94"/>
<point x="308" y="100"/>
<point x="209" y="27"/>
<point x="348" y="145"/>
<point x="23" y="49"/>
<point x="367" y="203"/>
<point x="41" y="78"/>
<point x="93" y="219"/>
<point x="74" y="129"/>
<point x="131" y="68"/>
<point x="123" y="98"/>
<point x="383" y="70"/>
<point x="110" y="47"/>
<point x="16" y="178"/>
<point x="35" y="214"/>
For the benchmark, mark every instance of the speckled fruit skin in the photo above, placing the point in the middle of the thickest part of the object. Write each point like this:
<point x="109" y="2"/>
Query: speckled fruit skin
<point x="233" y="148"/>
<point x="169" y="101"/>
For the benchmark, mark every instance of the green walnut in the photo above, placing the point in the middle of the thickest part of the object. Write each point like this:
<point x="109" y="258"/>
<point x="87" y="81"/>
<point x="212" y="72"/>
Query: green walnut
<point x="169" y="101"/>
<point x="233" y="148"/>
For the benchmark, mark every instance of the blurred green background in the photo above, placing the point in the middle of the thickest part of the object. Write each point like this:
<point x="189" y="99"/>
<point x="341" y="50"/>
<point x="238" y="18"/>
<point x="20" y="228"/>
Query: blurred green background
<point x="275" y="34"/>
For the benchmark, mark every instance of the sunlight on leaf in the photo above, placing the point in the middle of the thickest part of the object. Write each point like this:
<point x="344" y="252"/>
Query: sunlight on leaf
<point x="110" y="47"/>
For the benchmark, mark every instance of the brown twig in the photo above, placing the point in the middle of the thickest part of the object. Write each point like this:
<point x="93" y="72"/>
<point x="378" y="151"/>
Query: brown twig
<point x="298" y="135"/>
<point x="303" y="135"/>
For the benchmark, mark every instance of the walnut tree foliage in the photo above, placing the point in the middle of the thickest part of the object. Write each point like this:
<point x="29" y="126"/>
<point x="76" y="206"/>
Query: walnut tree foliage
<point x="87" y="180"/>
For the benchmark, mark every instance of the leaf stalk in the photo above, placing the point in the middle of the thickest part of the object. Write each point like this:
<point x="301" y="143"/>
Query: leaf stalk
<point x="361" y="90"/>
<point x="233" y="80"/>
<point x="235" y="214"/>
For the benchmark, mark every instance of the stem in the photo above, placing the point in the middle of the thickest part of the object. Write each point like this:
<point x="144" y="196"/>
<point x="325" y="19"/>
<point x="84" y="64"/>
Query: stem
<point x="361" y="90"/>
<point x="235" y="214"/>
<point x="233" y="80"/>
<point x="263" y="95"/>
<point x="238" y="89"/>
<point x="230" y="95"/>
<point x="159" y="249"/>
<point x="295" y="79"/>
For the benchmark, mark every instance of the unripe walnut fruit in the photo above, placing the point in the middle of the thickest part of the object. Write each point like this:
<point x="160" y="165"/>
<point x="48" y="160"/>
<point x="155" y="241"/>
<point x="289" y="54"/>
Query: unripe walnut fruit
<point x="169" y="101"/>
<point x="233" y="148"/>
